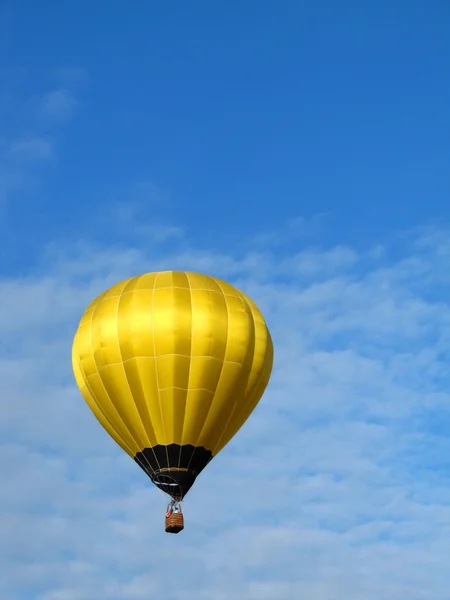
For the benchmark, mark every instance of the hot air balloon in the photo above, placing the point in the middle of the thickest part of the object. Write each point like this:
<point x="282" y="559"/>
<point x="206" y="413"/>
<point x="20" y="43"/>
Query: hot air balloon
<point x="172" y="364"/>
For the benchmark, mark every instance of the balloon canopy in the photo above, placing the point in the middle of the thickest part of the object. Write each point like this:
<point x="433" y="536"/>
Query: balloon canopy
<point x="172" y="364"/>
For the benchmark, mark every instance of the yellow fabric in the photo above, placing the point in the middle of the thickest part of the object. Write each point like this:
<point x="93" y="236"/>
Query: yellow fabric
<point x="172" y="357"/>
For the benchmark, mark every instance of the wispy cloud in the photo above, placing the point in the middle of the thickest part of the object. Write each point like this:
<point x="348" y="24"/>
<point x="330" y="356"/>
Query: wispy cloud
<point x="139" y="214"/>
<point x="336" y="487"/>
<point x="58" y="104"/>
<point x="23" y="152"/>
<point x="31" y="149"/>
<point x="298" y="228"/>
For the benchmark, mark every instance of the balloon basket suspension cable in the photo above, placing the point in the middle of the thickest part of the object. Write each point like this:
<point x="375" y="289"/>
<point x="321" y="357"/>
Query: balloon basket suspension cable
<point x="174" y="517"/>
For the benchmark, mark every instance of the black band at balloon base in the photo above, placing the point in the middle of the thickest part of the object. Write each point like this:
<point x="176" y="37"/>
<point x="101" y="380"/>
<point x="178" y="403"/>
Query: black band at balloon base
<point x="173" y="468"/>
<point x="173" y="482"/>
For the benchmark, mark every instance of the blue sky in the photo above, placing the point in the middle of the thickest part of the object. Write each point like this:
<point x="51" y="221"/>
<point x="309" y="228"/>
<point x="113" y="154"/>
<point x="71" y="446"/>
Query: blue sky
<point x="301" y="151"/>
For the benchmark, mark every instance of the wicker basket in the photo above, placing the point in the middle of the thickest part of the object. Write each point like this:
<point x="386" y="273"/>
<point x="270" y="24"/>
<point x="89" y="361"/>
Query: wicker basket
<point x="174" y="523"/>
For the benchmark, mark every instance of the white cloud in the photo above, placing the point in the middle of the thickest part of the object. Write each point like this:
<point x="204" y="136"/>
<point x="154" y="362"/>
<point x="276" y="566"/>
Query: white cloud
<point x="31" y="149"/>
<point x="320" y="263"/>
<point x="23" y="153"/>
<point x="336" y="487"/>
<point x="139" y="215"/>
<point x="293" y="230"/>
<point x="58" y="104"/>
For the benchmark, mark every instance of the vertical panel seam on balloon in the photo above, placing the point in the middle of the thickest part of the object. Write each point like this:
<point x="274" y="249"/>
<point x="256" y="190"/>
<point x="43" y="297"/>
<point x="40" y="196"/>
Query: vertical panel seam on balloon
<point x="190" y="366"/>
<point x="147" y="408"/>
<point x="262" y="385"/>
<point x="218" y="379"/>
<point x="87" y="386"/>
<point x="126" y="375"/>
<point x="248" y="397"/>
<point x="156" y="367"/>
<point x="246" y="305"/>
<point x="103" y="383"/>
<point x="91" y="395"/>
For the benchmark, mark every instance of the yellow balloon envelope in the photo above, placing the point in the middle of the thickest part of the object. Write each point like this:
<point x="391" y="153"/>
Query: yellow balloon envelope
<point x="172" y="364"/>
